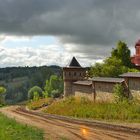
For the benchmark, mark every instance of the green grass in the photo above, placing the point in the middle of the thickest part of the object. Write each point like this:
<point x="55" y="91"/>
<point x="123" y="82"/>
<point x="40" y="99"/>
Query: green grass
<point x="1" y="105"/>
<point x="83" y="108"/>
<point x="33" y="105"/>
<point x="11" y="130"/>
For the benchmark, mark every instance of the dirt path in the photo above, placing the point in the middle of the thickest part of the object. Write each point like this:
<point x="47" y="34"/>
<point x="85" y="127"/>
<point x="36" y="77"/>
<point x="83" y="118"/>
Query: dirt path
<point x="56" y="129"/>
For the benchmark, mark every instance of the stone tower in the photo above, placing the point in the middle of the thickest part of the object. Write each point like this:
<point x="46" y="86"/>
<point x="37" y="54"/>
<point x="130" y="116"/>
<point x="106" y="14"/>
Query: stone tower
<point x="72" y="73"/>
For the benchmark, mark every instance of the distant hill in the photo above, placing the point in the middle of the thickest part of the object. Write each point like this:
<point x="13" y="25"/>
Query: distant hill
<point x="18" y="80"/>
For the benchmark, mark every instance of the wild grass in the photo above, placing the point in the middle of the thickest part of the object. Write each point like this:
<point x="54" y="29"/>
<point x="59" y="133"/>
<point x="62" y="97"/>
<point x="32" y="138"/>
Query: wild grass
<point x="11" y="130"/>
<point x="33" y="105"/>
<point x="83" y="108"/>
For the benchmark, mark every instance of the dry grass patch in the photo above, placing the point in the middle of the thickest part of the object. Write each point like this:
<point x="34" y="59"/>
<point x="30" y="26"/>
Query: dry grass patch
<point x="83" y="108"/>
<point x="39" y="103"/>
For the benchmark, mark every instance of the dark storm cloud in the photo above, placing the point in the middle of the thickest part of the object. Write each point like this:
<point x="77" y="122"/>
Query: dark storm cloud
<point x="89" y="23"/>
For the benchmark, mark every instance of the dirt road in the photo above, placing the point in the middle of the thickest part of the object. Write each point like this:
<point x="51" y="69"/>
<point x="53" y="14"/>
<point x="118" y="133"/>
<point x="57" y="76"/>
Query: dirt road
<point x="59" y="129"/>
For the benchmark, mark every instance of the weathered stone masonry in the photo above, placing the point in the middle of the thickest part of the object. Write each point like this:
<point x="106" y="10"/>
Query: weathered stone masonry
<point x="97" y="88"/>
<point x="133" y="81"/>
<point x="72" y="73"/>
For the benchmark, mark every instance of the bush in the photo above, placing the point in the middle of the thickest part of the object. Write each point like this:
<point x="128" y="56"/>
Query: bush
<point x="34" y="90"/>
<point x="2" y="95"/>
<point x="118" y="91"/>
<point x="2" y="90"/>
<point x="55" y="93"/>
<point x="36" y="96"/>
<point x="45" y="94"/>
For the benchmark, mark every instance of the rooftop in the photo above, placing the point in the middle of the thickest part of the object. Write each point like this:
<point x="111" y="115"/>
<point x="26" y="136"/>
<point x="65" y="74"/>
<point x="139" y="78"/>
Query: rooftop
<point x="86" y="82"/>
<point x="74" y="63"/>
<point x="131" y="74"/>
<point x="107" y="79"/>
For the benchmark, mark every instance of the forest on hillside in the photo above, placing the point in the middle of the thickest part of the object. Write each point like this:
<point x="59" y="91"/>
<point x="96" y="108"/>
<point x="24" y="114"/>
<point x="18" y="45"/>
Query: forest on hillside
<point x="18" y="80"/>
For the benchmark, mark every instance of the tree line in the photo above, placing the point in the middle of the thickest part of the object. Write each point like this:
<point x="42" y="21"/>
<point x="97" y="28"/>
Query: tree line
<point x="18" y="80"/>
<point x="119" y="62"/>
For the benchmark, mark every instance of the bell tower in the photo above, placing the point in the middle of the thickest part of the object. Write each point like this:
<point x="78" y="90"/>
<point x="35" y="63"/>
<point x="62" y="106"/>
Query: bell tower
<point x="136" y="58"/>
<point x="137" y="47"/>
<point x="72" y="73"/>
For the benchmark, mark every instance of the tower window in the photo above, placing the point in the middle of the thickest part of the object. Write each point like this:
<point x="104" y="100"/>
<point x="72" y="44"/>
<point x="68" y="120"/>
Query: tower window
<point x="69" y="73"/>
<point x="74" y="73"/>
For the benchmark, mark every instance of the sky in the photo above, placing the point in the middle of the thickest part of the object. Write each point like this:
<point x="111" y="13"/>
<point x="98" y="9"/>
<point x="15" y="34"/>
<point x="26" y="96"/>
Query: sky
<point x="51" y="32"/>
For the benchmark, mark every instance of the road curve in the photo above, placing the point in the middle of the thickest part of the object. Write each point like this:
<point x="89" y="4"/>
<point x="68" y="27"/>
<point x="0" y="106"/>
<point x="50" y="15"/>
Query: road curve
<point x="58" y="127"/>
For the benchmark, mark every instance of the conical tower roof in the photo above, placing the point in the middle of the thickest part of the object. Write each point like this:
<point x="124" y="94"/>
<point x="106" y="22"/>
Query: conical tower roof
<point x="74" y="63"/>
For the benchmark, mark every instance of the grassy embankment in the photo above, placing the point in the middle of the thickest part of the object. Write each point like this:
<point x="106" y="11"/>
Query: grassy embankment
<point x="83" y="108"/>
<point x="11" y="130"/>
<point x="33" y="105"/>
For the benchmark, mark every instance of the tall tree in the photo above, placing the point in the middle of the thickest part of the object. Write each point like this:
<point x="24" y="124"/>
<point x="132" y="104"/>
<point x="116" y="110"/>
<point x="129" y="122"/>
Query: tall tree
<point x="119" y="62"/>
<point x="122" y="52"/>
<point x="54" y="86"/>
<point x="111" y="67"/>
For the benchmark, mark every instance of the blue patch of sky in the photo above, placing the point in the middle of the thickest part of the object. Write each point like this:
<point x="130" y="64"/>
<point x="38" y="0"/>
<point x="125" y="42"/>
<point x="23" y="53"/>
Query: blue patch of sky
<point x="32" y="42"/>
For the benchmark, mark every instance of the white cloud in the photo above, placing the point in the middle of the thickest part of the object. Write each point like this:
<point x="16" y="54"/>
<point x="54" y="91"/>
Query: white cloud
<point x="87" y="29"/>
<point x="42" y="55"/>
<point x="6" y="38"/>
<point x="29" y="56"/>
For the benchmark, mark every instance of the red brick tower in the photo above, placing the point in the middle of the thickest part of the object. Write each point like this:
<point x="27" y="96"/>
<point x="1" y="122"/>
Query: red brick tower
<point x="136" y="58"/>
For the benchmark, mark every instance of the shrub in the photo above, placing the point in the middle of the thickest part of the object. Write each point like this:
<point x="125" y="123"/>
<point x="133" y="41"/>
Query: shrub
<point x="36" y="96"/>
<point x="2" y="96"/>
<point x="35" y="90"/>
<point x="2" y="90"/>
<point x="45" y="94"/>
<point x="55" y="93"/>
<point x="119" y="95"/>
